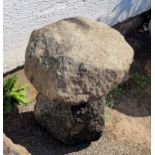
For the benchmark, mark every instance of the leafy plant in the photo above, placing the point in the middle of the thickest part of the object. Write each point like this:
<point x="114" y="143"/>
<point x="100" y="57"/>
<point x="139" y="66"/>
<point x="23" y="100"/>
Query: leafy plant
<point x="140" y="80"/>
<point x="113" y="94"/>
<point x="13" y="94"/>
<point x="107" y="116"/>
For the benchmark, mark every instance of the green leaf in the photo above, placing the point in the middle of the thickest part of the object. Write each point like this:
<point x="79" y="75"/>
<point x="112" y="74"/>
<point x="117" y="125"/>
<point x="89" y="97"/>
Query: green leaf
<point x="140" y="80"/>
<point x="19" y="97"/>
<point x="107" y="116"/>
<point x="13" y="94"/>
<point x="9" y="84"/>
<point x="112" y="95"/>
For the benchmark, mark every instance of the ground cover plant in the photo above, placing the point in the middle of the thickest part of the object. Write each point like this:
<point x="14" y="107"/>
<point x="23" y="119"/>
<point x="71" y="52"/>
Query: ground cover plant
<point x="13" y="93"/>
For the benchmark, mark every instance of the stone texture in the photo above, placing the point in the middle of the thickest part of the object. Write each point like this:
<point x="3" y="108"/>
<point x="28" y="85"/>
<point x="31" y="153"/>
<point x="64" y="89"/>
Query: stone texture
<point x="74" y="124"/>
<point x="76" y="59"/>
<point x="73" y="64"/>
<point x="9" y="148"/>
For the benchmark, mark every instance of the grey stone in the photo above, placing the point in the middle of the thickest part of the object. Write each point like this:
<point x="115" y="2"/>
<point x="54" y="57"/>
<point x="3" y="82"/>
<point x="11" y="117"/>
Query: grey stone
<point x="71" y="124"/>
<point x="76" y="59"/>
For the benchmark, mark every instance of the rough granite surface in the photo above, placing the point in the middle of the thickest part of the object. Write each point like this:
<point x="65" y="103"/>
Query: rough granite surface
<point x="76" y="59"/>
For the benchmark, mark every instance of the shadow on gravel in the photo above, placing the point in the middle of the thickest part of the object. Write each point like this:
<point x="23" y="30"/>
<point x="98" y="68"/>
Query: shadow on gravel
<point x="137" y="103"/>
<point x="23" y="130"/>
<point x="136" y="106"/>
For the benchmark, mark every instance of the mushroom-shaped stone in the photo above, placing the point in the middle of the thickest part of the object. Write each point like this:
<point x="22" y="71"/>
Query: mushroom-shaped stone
<point x="73" y="63"/>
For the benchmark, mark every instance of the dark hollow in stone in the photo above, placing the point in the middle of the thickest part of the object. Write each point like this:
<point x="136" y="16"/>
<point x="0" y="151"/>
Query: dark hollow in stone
<point x="71" y="124"/>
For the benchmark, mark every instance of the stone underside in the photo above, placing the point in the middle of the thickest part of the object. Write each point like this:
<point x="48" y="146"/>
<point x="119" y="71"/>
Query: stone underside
<point x="71" y="124"/>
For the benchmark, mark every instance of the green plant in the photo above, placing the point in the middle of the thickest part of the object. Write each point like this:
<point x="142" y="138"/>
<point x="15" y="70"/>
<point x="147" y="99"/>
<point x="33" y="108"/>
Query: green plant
<point x="140" y="80"/>
<point x="107" y="116"/>
<point x="13" y="94"/>
<point x="112" y="95"/>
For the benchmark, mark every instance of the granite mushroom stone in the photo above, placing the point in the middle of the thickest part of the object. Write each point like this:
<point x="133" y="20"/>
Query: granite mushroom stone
<point x="76" y="59"/>
<point x="73" y="64"/>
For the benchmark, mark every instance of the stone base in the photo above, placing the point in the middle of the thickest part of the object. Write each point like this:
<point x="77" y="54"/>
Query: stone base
<point x="71" y="124"/>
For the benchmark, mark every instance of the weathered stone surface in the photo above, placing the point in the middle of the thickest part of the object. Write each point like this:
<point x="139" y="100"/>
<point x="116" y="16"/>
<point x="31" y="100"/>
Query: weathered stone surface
<point x="71" y="124"/>
<point x="9" y="148"/>
<point x="76" y="59"/>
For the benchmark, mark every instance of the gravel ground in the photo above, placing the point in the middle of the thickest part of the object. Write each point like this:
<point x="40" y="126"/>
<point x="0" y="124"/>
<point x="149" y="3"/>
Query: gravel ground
<point x="23" y="129"/>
